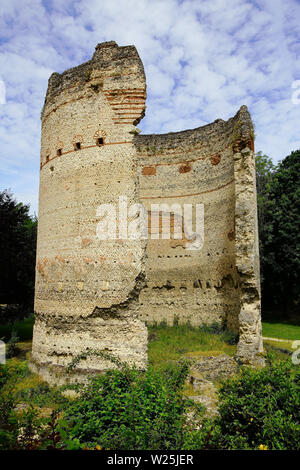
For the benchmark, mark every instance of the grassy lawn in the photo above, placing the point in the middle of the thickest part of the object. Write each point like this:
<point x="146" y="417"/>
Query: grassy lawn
<point x="287" y="345"/>
<point x="169" y="343"/>
<point x="282" y="330"/>
<point x="28" y="388"/>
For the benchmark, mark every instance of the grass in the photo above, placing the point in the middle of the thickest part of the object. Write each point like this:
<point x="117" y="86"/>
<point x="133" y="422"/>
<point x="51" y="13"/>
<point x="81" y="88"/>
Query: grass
<point x="278" y="353"/>
<point x="281" y="330"/>
<point x="23" y="329"/>
<point x="170" y="343"/>
<point x="30" y="389"/>
<point x="286" y="345"/>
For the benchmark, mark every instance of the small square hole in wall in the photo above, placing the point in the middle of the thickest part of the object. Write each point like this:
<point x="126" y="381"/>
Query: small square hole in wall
<point x="100" y="141"/>
<point x="77" y="146"/>
<point x="59" y="152"/>
<point x="47" y="158"/>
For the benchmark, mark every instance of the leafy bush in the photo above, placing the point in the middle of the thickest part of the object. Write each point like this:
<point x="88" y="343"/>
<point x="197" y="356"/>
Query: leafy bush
<point x="258" y="409"/>
<point x="125" y="409"/>
<point x="24" y="428"/>
<point x="42" y="395"/>
<point x="4" y="375"/>
<point x="8" y="419"/>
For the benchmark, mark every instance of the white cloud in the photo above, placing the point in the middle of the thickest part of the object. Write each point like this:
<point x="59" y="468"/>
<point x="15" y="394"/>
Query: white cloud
<point x="203" y="60"/>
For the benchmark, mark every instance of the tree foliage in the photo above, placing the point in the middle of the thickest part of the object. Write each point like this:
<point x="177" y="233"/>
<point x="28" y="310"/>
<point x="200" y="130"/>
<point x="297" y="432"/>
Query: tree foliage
<point x="17" y="252"/>
<point x="279" y="230"/>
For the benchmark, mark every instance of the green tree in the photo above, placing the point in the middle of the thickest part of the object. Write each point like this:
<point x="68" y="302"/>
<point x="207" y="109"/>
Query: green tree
<point x="17" y="252"/>
<point x="265" y="169"/>
<point x="279" y="230"/>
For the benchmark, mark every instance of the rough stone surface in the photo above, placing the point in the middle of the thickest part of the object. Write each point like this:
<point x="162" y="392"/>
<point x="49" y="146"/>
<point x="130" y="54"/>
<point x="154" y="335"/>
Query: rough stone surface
<point x="87" y="290"/>
<point x="98" y="294"/>
<point x="205" y="373"/>
<point x="202" y="285"/>
<point x="207" y="395"/>
<point x="212" y="369"/>
<point x="213" y="165"/>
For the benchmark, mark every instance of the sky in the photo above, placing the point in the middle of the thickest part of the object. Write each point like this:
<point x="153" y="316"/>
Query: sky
<point x="203" y="59"/>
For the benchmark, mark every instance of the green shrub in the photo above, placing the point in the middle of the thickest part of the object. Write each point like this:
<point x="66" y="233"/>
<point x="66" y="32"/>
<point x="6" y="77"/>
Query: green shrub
<point x="42" y="395"/>
<point x="8" y="419"/>
<point x="24" y="428"/>
<point x="126" y="409"/>
<point x="4" y="375"/>
<point x="30" y="428"/>
<point x="258" y="409"/>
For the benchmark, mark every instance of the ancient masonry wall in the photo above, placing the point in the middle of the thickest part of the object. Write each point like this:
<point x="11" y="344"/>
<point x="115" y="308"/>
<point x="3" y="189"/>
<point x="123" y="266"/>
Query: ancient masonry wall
<point x="93" y="294"/>
<point x="86" y="289"/>
<point x="213" y="165"/>
<point x="191" y="167"/>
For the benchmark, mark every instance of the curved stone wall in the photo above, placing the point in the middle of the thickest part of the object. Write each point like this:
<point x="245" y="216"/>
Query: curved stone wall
<point x="191" y="167"/>
<point x="87" y="289"/>
<point x="213" y="165"/>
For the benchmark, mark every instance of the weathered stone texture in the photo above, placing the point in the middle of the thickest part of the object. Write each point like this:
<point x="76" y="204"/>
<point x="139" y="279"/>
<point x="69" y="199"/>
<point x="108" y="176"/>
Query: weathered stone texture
<point x="87" y="289"/>
<point x="212" y="369"/>
<point x="250" y="344"/>
<point x="194" y="166"/>
<point x="93" y="294"/>
<point x="213" y="165"/>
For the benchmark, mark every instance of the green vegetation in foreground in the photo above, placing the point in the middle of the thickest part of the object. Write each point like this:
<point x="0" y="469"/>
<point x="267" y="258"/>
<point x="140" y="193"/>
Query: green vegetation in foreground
<point x="128" y="410"/>
<point x="28" y="388"/>
<point x="170" y="343"/>
<point x="258" y="409"/>
<point x="22" y="329"/>
<point x="166" y="344"/>
<point x="281" y="330"/>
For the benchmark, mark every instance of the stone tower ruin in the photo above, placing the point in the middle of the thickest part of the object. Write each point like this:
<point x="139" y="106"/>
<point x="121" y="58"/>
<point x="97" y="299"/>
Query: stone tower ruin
<point x="97" y="294"/>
